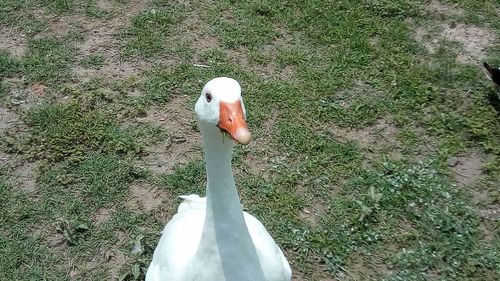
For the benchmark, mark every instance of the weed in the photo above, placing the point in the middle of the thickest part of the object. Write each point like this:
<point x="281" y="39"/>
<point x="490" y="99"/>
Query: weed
<point x="69" y="132"/>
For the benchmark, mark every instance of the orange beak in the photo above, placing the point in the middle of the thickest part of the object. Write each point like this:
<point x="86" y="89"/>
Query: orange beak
<point x="232" y="121"/>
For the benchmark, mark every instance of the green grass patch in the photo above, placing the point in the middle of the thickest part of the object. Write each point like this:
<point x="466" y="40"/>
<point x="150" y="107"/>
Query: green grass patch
<point x="17" y="13"/>
<point x="94" y="11"/>
<point x="146" y="37"/>
<point x="103" y="179"/>
<point x="415" y="200"/>
<point x="93" y="61"/>
<point x="9" y="66"/>
<point x="59" y="6"/>
<point x="243" y="24"/>
<point x="48" y="60"/>
<point x="186" y="179"/>
<point x="38" y="239"/>
<point x="22" y="252"/>
<point x="4" y="92"/>
<point x="67" y="131"/>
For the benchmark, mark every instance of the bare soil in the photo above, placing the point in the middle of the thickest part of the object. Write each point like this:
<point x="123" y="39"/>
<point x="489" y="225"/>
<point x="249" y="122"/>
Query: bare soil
<point x="184" y="143"/>
<point x="12" y="41"/>
<point x="258" y="161"/>
<point x="8" y="119"/>
<point x="380" y="137"/>
<point x="447" y="9"/>
<point x="467" y="170"/>
<point x="365" y="268"/>
<point x="24" y="177"/>
<point x="24" y="95"/>
<point x="145" y="198"/>
<point x="312" y="214"/>
<point x="101" y="39"/>
<point x="101" y="216"/>
<point x="491" y="213"/>
<point x="474" y="41"/>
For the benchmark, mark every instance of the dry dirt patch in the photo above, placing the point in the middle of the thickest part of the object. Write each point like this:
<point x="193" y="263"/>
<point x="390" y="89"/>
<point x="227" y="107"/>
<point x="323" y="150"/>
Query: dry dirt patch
<point x="377" y="140"/>
<point x="466" y="168"/>
<point x="24" y="95"/>
<point x="316" y="275"/>
<point x="111" y="260"/>
<point x="184" y="142"/>
<point x="491" y="213"/>
<point x="473" y="40"/>
<point x="444" y="9"/>
<point x="204" y="42"/>
<point x="381" y="135"/>
<point x="366" y="268"/>
<point x="257" y="164"/>
<point x="106" y="5"/>
<point x="12" y="41"/>
<point x="260" y="153"/>
<point x="100" y="39"/>
<point x="194" y="31"/>
<point x="61" y="26"/>
<point x="8" y="119"/>
<point x="101" y="216"/>
<point x="145" y="198"/>
<point x="115" y="260"/>
<point x="311" y="214"/>
<point x="467" y="172"/>
<point x="24" y="177"/>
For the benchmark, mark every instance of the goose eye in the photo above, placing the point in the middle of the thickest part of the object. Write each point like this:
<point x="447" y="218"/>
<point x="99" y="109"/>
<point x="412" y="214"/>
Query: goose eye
<point x="208" y="96"/>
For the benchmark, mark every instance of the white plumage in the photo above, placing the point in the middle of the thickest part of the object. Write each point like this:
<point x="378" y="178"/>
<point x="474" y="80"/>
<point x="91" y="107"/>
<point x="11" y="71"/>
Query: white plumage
<point x="212" y="239"/>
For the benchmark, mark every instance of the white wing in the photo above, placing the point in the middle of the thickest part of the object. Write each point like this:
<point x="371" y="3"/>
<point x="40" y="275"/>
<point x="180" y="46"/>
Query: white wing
<point x="179" y="241"/>
<point x="274" y="264"/>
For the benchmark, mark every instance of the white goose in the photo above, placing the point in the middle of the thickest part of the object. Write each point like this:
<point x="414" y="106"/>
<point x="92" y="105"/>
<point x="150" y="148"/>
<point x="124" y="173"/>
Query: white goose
<point x="212" y="239"/>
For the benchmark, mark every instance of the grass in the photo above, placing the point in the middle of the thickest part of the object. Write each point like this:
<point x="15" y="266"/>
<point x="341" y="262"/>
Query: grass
<point x="355" y="121"/>
<point x="94" y="11"/>
<point x="149" y="30"/>
<point x="70" y="132"/>
<point x="47" y="60"/>
<point x="93" y="61"/>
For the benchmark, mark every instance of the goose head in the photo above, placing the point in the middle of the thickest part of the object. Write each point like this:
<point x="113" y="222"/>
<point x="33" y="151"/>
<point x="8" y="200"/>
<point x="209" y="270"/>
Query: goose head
<point x="220" y="110"/>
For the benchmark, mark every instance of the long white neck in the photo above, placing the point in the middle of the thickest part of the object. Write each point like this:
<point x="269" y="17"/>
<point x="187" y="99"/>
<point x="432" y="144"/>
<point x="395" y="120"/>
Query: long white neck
<point x="226" y="244"/>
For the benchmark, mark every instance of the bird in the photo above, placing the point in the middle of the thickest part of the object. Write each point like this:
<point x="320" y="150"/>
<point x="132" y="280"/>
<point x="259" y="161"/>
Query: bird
<point x="493" y="73"/>
<point x="212" y="238"/>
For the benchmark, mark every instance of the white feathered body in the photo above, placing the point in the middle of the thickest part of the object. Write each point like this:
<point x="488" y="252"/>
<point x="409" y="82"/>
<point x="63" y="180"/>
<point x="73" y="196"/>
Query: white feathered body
<point x="182" y="236"/>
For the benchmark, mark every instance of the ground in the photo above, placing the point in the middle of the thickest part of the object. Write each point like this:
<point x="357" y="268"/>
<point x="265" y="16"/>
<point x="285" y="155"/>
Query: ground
<point x="376" y="134"/>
